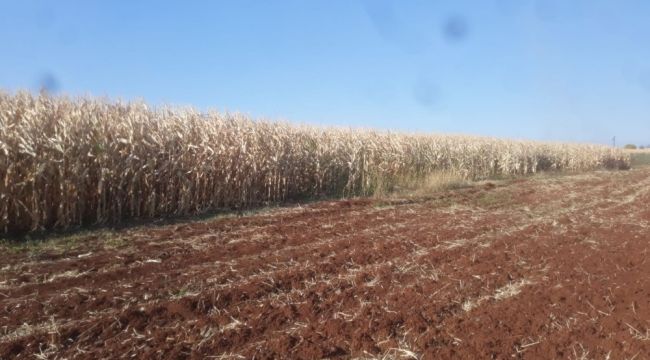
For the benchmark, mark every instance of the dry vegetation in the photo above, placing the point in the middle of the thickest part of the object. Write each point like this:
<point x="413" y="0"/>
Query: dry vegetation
<point x="69" y="162"/>
<point x="639" y="157"/>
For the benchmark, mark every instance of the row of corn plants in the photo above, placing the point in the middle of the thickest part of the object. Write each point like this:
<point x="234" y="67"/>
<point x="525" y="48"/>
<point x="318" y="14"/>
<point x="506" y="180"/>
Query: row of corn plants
<point x="71" y="162"/>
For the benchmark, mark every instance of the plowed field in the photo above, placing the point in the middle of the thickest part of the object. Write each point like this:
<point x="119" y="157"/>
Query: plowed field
<point x="545" y="267"/>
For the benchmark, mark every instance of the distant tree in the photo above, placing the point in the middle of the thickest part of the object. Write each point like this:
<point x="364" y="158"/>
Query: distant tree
<point x="641" y="147"/>
<point x="630" y="147"/>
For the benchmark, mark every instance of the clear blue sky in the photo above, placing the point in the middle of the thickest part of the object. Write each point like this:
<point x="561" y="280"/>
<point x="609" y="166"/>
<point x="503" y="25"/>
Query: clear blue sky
<point x="546" y="69"/>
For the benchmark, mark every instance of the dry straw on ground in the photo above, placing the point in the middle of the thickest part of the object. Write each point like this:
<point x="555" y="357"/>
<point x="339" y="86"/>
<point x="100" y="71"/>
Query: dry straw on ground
<point x="69" y="162"/>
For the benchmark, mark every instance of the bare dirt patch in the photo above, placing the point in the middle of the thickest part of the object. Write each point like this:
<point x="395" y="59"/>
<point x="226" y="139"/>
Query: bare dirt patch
<point x="536" y="268"/>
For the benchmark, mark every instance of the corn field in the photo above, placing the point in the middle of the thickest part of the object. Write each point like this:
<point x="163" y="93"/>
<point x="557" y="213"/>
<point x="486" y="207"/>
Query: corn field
<point x="71" y="162"/>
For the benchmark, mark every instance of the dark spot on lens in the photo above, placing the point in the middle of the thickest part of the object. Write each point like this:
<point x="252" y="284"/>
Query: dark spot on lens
<point x="425" y="92"/>
<point x="48" y="83"/>
<point x="455" y="29"/>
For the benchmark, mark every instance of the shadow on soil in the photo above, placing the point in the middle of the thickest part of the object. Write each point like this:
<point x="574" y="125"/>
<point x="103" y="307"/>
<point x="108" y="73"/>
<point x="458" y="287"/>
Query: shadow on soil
<point x="111" y="234"/>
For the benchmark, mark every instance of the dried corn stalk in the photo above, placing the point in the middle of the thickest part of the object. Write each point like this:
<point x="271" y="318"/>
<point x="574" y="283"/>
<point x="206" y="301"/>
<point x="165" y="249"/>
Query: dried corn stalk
<point x="70" y="162"/>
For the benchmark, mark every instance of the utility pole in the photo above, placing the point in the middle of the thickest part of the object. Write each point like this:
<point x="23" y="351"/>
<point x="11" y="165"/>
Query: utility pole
<point x="614" y="141"/>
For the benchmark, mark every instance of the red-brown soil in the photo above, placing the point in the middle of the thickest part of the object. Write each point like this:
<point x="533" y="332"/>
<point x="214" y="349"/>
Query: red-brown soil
<point x="547" y="267"/>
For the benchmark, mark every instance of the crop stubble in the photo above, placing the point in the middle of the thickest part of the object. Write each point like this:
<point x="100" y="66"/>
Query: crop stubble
<point x="541" y="267"/>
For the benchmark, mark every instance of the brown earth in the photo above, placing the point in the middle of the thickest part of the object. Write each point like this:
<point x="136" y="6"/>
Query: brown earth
<point x="546" y="267"/>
